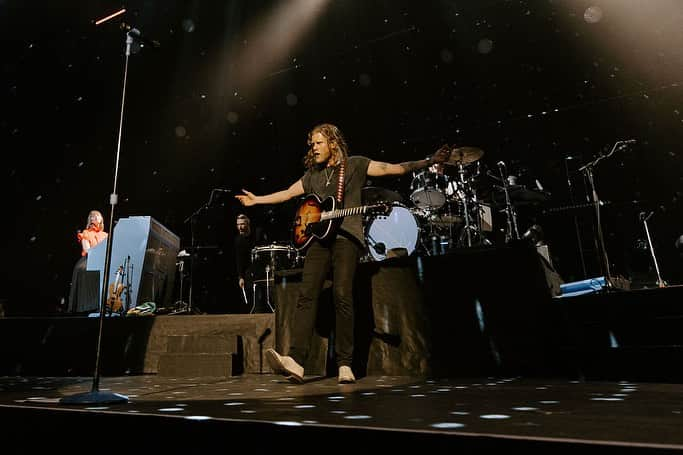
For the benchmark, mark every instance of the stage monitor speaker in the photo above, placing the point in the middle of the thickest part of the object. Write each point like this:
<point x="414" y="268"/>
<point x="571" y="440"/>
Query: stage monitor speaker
<point x="146" y="252"/>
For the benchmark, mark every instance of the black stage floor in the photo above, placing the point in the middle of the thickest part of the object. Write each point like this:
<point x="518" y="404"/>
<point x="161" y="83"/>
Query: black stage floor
<point x="265" y="412"/>
<point x="511" y="369"/>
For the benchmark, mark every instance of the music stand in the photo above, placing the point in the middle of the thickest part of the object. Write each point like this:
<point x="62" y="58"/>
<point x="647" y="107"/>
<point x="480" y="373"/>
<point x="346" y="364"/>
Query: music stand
<point x="96" y="396"/>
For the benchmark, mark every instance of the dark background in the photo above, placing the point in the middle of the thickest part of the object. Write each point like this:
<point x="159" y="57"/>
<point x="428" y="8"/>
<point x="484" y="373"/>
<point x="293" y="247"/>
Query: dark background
<point x="544" y="85"/>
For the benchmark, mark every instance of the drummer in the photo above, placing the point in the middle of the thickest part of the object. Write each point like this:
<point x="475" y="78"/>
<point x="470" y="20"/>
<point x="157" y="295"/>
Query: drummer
<point x="245" y="240"/>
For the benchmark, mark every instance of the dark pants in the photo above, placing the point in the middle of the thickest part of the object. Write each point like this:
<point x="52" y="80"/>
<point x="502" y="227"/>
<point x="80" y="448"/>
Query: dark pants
<point x="341" y="255"/>
<point x="84" y="292"/>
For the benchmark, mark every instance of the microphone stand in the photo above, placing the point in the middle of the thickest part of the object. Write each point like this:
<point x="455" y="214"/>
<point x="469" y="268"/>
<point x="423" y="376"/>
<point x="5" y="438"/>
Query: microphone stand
<point x="192" y="219"/>
<point x="660" y="283"/>
<point x="587" y="169"/>
<point x="572" y="201"/>
<point x="96" y="396"/>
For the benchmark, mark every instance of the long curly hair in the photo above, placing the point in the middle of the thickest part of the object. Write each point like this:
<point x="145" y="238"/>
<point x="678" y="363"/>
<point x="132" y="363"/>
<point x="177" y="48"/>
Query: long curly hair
<point x="100" y="225"/>
<point x="335" y="139"/>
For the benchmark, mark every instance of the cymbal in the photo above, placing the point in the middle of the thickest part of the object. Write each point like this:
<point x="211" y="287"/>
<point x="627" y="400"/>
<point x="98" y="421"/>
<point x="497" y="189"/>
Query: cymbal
<point x="374" y="194"/>
<point x="464" y="155"/>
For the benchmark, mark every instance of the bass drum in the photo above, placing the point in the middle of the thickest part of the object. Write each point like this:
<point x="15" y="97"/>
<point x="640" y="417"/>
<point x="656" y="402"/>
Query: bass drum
<point x="391" y="235"/>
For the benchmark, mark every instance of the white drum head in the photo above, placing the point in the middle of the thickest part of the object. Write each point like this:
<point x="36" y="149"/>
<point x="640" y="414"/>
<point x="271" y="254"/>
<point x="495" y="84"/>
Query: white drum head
<point x="397" y="230"/>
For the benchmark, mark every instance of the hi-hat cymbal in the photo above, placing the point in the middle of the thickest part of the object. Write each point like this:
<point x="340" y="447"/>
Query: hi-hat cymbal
<point x="464" y="155"/>
<point x="374" y="194"/>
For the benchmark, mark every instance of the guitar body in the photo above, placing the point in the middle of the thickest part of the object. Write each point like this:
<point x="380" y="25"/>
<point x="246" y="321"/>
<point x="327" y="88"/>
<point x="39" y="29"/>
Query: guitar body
<point x="318" y="219"/>
<point x="307" y="220"/>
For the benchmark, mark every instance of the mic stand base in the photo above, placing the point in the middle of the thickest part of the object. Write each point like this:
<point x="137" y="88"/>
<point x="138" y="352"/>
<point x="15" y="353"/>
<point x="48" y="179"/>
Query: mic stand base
<point x="616" y="284"/>
<point x="183" y="308"/>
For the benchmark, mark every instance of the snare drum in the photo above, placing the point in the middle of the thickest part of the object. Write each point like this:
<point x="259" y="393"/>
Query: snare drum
<point x="429" y="189"/>
<point x="276" y="256"/>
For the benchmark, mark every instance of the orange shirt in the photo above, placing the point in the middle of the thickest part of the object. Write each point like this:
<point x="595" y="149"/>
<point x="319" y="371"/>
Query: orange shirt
<point x="91" y="235"/>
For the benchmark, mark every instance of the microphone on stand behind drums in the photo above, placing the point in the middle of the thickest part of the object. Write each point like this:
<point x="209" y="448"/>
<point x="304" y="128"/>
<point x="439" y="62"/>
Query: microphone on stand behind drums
<point x="502" y="168"/>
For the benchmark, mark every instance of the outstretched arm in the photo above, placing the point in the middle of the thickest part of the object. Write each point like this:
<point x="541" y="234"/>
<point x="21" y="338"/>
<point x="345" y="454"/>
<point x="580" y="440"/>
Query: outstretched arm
<point x="247" y="199"/>
<point x="380" y="169"/>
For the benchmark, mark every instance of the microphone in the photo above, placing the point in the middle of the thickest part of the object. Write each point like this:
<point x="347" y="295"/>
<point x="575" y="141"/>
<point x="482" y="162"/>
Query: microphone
<point x="134" y="32"/>
<point x="502" y="169"/>
<point x="623" y="144"/>
<point x="645" y="216"/>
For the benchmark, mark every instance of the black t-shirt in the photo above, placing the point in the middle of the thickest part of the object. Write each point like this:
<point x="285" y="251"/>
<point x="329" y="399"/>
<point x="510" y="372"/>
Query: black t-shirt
<point x="243" y="247"/>
<point x="324" y="185"/>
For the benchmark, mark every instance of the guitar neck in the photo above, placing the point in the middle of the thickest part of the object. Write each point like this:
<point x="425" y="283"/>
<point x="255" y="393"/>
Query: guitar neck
<point x="341" y="213"/>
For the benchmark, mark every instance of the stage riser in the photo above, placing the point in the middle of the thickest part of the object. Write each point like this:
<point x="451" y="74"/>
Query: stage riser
<point x="210" y="338"/>
<point x="414" y="317"/>
<point x="422" y="316"/>
<point x="635" y="335"/>
<point x="67" y="346"/>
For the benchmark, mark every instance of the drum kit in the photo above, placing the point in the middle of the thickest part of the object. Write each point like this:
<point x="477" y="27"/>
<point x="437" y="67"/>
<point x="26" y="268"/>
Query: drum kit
<point x="446" y="211"/>
<point x="451" y="206"/>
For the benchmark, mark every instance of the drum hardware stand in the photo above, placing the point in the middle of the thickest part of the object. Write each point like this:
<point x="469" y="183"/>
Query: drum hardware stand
<point x="267" y="280"/>
<point x="95" y="396"/>
<point x="467" y="198"/>
<point x="272" y="310"/>
<point x="512" y="232"/>
<point x="466" y="209"/>
<point x="660" y="283"/>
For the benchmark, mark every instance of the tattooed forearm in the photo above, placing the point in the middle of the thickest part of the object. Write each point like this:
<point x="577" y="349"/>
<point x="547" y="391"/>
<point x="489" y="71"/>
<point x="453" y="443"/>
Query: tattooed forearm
<point x="410" y="166"/>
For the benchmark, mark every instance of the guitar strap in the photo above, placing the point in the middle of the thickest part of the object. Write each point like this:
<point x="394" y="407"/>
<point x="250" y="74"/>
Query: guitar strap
<point x="340" y="183"/>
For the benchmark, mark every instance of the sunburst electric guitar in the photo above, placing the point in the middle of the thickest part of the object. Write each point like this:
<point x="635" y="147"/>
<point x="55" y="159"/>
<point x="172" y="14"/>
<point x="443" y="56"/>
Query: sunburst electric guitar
<point x="317" y="218"/>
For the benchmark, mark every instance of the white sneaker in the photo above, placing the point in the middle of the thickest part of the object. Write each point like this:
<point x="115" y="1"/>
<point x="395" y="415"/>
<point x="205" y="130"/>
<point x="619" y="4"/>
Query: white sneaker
<point x="285" y="365"/>
<point x="346" y="375"/>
